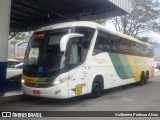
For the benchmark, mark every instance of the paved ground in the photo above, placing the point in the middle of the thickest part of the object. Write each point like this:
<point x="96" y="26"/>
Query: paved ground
<point x="126" y="98"/>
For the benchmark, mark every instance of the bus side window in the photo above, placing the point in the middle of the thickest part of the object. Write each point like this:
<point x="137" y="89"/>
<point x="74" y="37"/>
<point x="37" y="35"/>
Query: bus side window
<point x="106" y="45"/>
<point x="134" y="52"/>
<point x="98" y="46"/>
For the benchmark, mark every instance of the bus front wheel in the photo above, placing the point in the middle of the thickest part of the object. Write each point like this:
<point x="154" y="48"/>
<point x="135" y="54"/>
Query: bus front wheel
<point x="97" y="88"/>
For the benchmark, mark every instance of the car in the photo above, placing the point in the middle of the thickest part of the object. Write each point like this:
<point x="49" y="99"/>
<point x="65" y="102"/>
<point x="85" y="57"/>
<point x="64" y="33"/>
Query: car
<point x="19" y="66"/>
<point x="158" y="67"/>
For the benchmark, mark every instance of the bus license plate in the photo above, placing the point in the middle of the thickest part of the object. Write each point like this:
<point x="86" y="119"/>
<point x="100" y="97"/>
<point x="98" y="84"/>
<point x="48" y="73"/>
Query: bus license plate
<point x="37" y="92"/>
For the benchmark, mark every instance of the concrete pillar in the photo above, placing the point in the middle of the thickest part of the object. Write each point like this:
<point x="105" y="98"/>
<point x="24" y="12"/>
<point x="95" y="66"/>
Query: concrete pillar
<point x="5" y="6"/>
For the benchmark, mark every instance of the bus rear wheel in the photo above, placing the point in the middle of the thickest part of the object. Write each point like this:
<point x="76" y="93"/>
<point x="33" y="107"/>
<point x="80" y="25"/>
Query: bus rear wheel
<point x="147" y="76"/>
<point x="143" y="79"/>
<point x="97" y="88"/>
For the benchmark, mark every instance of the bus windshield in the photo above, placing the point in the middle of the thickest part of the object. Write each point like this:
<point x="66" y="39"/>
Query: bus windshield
<point x="34" y="49"/>
<point x="43" y="55"/>
<point x="52" y="57"/>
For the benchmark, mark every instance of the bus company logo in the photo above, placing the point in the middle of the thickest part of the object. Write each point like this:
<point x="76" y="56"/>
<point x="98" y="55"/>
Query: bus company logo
<point x="6" y="114"/>
<point x="140" y="61"/>
<point x="100" y="61"/>
<point x="78" y="89"/>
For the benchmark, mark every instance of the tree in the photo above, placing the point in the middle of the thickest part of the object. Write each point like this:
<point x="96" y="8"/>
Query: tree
<point x="144" y="17"/>
<point x="20" y="36"/>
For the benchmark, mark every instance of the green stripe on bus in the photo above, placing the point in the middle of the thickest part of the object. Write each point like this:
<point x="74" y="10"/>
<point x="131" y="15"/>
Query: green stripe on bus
<point x="121" y="65"/>
<point x="47" y="79"/>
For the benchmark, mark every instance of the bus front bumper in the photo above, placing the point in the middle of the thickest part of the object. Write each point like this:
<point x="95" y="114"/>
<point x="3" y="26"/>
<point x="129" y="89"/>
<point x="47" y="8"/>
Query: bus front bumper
<point x="59" y="91"/>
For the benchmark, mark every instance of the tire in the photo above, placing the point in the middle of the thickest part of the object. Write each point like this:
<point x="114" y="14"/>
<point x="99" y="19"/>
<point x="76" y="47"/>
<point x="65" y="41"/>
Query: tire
<point x="147" y="77"/>
<point x="97" y="88"/>
<point x="143" y="79"/>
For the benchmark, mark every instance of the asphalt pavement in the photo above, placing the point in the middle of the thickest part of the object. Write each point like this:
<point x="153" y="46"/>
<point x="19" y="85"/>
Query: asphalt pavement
<point x="125" y="98"/>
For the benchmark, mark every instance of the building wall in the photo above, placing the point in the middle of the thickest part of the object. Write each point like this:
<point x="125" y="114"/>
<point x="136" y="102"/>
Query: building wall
<point x="123" y="4"/>
<point x="4" y="31"/>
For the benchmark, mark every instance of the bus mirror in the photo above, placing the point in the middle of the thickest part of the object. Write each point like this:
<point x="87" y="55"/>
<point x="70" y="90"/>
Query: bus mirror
<point x="66" y="38"/>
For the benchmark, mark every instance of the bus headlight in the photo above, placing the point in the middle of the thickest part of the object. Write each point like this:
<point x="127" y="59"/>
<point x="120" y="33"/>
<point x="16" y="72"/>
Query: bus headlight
<point x="59" y="81"/>
<point x="22" y="81"/>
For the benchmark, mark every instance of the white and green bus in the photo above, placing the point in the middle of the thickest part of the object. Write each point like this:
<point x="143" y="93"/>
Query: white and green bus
<point x="76" y="58"/>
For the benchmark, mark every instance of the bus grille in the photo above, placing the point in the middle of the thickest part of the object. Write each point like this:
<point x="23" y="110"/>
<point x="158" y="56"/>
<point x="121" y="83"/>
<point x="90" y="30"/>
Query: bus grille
<point x="38" y="85"/>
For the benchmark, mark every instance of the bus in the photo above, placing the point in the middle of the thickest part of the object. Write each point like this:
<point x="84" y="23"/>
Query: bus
<point x="77" y="58"/>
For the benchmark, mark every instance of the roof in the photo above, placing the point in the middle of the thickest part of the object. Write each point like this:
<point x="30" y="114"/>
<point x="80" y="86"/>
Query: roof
<point x="29" y="15"/>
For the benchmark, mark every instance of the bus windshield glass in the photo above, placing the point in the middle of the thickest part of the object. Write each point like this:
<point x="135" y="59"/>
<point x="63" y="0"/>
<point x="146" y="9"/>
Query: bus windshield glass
<point x="34" y="48"/>
<point x="43" y="53"/>
<point x="53" y="57"/>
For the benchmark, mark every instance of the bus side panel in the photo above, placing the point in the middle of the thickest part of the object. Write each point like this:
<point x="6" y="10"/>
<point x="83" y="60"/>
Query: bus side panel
<point x="123" y="72"/>
<point x="139" y="64"/>
<point x="110" y="68"/>
<point x="100" y="65"/>
<point x="118" y="69"/>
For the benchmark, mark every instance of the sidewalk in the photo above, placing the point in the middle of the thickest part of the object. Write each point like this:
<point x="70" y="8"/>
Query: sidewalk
<point x="15" y="96"/>
<point x="13" y="90"/>
<point x="7" y="99"/>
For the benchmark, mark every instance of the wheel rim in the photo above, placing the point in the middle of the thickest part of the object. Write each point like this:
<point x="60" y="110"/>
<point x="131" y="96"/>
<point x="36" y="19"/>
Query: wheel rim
<point x="143" y="80"/>
<point x="96" y="88"/>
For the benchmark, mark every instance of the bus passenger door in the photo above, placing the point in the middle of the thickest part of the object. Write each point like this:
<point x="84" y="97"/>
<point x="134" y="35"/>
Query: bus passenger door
<point x="77" y="82"/>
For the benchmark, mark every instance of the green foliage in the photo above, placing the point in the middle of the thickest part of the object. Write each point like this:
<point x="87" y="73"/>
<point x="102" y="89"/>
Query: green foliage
<point x="13" y="42"/>
<point x="20" y="37"/>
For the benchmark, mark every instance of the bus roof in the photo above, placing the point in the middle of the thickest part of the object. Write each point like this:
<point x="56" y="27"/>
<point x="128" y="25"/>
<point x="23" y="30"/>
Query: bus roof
<point x="70" y="24"/>
<point x="91" y="25"/>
